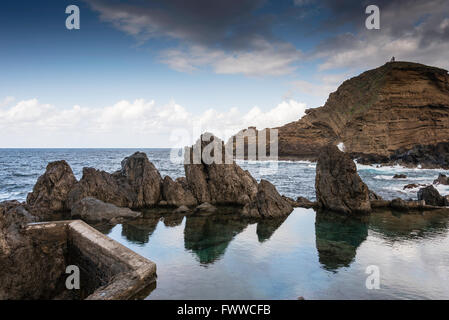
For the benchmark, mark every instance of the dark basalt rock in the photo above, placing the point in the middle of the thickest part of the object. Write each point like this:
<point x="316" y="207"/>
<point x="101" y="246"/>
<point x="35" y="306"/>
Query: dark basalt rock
<point x="399" y="176"/>
<point x="50" y="193"/>
<point x="432" y="197"/>
<point x="136" y="185"/>
<point x="338" y="186"/>
<point x="220" y="181"/>
<point x="442" y="179"/>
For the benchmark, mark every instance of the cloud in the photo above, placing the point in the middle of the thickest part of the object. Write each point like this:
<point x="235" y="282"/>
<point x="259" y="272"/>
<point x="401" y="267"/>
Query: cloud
<point x="420" y="33"/>
<point x="137" y="123"/>
<point x="265" y="60"/>
<point x="230" y="36"/>
<point x="6" y="101"/>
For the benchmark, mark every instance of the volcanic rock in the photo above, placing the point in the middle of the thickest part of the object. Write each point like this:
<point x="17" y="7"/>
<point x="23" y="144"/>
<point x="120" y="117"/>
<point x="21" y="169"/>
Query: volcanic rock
<point x="432" y="197"/>
<point x="399" y="176"/>
<point x="214" y="177"/>
<point x="177" y="193"/>
<point x="205" y="207"/>
<point x="50" y="193"/>
<point x="94" y="210"/>
<point x="442" y="179"/>
<point x="136" y="185"/>
<point x="338" y="186"/>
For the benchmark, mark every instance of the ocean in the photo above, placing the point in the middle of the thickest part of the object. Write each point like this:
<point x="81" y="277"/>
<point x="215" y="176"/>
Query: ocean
<point x="308" y="255"/>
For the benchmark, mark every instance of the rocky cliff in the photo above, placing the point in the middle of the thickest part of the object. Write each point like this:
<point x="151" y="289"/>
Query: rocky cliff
<point x="379" y="115"/>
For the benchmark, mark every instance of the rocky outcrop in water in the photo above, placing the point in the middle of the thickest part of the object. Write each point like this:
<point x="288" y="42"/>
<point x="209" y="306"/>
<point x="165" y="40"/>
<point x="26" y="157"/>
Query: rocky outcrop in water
<point x="51" y="190"/>
<point x="218" y="180"/>
<point x="94" y="210"/>
<point x="432" y="197"/>
<point x="442" y="179"/>
<point x="136" y="185"/>
<point x="338" y="186"/>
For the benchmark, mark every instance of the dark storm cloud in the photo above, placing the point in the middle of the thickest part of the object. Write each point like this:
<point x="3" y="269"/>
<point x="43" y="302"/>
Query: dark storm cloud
<point x="224" y="23"/>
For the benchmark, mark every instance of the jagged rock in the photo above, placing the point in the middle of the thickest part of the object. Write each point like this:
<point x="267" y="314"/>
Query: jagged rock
<point x="214" y="177"/>
<point x="93" y="210"/>
<point x="442" y="179"/>
<point x="177" y="193"/>
<point x="205" y="207"/>
<point x="51" y="191"/>
<point x="300" y="202"/>
<point x="270" y="203"/>
<point x="431" y="196"/>
<point x="413" y="186"/>
<point x="399" y="176"/>
<point x="136" y="185"/>
<point x="182" y="209"/>
<point x="338" y="186"/>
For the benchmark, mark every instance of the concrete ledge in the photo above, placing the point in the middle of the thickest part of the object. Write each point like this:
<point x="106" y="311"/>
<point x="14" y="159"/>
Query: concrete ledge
<point x="110" y="270"/>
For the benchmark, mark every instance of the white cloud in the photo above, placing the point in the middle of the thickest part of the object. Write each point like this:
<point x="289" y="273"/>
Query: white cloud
<point x="138" y="123"/>
<point x="267" y="59"/>
<point x="6" y="101"/>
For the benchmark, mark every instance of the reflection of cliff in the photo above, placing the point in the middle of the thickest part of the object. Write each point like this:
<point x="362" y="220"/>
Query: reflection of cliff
<point x="266" y="228"/>
<point x="397" y="226"/>
<point x="209" y="236"/>
<point x="337" y="239"/>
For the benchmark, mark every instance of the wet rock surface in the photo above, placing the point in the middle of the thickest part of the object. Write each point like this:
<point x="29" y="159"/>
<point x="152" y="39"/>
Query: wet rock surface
<point x="432" y="197"/>
<point x="442" y="179"/>
<point x="94" y="210"/>
<point x="338" y="186"/>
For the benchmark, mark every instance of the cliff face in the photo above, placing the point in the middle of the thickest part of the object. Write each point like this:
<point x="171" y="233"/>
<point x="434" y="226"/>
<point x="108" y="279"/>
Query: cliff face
<point x="382" y="111"/>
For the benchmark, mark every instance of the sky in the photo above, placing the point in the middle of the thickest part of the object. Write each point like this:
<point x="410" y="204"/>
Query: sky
<point x="158" y="73"/>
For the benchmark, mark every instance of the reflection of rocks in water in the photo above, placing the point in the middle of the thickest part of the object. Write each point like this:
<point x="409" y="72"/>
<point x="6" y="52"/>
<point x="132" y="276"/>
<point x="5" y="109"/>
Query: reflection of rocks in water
<point x="337" y="238"/>
<point x="266" y="228"/>
<point x="397" y="226"/>
<point x="173" y="220"/>
<point x="140" y="230"/>
<point x="209" y="236"/>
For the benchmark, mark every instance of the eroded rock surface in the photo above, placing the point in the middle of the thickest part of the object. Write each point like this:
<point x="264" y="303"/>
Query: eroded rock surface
<point x="136" y="185"/>
<point x="50" y="193"/>
<point x="432" y="197"/>
<point x="177" y="193"/>
<point x="218" y="180"/>
<point x="338" y="186"/>
<point x="94" y="210"/>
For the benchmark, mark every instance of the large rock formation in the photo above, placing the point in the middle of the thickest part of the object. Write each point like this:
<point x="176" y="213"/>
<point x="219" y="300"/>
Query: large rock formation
<point x="136" y="185"/>
<point x="51" y="190"/>
<point x="397" y="112"/>
<point x="214" y="177"/>
<point x="338" y="186"/>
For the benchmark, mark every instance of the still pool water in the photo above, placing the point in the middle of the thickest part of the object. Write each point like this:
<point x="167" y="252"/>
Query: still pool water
<point x="317" y="256"/>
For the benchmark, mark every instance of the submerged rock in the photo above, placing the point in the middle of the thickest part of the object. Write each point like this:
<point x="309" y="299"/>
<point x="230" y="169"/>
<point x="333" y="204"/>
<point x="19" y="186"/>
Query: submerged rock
<point x="93" y="210"/>
<point x="182" y="209"/>
<point x="136" y="185"/>
<point x="399" y="176"/>
<point x="205" y="207"/>
<point x="50" y="193"/>
<point x="338" y="186"/>
<point x="432" y="197"/>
